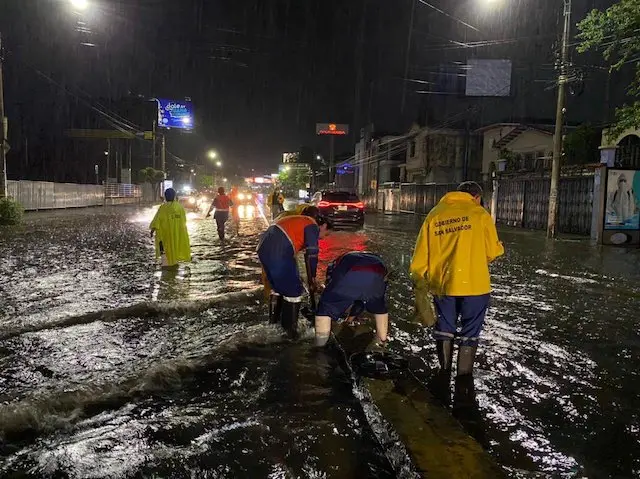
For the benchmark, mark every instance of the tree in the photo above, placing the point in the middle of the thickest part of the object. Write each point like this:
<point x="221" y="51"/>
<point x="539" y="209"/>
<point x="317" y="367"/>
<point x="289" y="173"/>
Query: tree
<point x="614" y="32"/>
<point x="294" y="180"/>
<point x="153" y="177"/>
<point x="581" y="146"/>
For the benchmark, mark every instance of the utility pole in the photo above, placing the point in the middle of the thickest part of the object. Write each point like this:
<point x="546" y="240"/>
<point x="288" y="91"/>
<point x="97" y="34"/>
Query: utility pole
<point x="3" y="139"/>
<point x="408" y="55"/>
<point x="163" y="155"/>
<point x="557" y="139"/>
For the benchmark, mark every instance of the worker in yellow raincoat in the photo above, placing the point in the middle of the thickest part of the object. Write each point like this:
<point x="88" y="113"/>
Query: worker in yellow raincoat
<point x="456" y="244"/>
<point x="170" y="228"/>
<point x="297" y="211"/>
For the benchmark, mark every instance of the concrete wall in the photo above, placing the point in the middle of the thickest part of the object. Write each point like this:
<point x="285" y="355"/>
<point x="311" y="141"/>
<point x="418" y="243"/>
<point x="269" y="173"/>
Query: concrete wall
<point x="41" y="195"/>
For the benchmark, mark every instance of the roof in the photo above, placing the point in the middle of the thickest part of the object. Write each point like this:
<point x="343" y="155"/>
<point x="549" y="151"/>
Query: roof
<point x="542" y="128"/>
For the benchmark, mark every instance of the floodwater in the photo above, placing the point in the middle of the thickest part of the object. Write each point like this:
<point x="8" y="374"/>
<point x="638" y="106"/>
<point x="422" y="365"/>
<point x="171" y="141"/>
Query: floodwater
<point x="110" y="368"/>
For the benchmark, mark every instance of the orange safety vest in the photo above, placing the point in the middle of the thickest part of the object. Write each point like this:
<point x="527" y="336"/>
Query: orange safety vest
<point x="222" y="203"/>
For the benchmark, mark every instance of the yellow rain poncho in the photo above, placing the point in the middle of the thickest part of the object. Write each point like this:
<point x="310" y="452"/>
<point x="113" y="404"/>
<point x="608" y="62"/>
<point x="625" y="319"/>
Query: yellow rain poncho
<point x="170" y="225"/>
<point x="298" y="210"/>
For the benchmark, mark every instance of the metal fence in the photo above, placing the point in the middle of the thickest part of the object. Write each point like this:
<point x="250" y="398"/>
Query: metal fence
<point x="421" y="198"/>
<point x="122" y="190"/>
<point x="525" y="203"/>
<point x="522" y="202"/>
<point x="41" y="195"/>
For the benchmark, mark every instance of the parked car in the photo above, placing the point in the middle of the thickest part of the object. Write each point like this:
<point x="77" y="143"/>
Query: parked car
<point x="340" y="208"/>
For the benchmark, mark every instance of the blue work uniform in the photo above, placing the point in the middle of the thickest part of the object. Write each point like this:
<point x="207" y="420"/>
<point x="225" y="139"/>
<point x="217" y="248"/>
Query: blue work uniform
<point x="277" y="252"/>
<point x="354" y="278"/>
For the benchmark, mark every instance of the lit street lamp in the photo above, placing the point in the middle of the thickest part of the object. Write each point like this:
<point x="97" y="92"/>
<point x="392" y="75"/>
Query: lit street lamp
<point x="80" y="5"/>
<point x="218" y="164"/>
<point x="212" y="155"/>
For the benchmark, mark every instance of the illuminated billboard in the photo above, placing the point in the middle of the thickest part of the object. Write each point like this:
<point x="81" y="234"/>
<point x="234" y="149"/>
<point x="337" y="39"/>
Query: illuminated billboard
<point x="175" y="114"/>
<point x="332" y="129"/>
<point x="290" y="157"/>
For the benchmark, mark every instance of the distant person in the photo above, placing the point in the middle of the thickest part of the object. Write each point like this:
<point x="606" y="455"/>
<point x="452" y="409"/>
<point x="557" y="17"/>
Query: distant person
<point x="457" y="242"/>
<point x="277" y="252"/>
<point x="170" y="228"/>
<point x="356" y="281"/>
<point x="222" y="204"/>
<point x="276" y="203"/>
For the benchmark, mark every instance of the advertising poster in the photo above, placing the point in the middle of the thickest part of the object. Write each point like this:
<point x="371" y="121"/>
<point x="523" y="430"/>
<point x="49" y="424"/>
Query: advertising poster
<point x="175" y="114"/>
<point x="623" y="200"/>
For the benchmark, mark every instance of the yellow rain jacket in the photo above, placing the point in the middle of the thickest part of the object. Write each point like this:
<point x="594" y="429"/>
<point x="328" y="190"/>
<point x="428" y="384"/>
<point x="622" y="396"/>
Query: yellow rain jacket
<point x="295" y="212"/>
<point x="457" y="242"/>
<point x="170" y="225"/>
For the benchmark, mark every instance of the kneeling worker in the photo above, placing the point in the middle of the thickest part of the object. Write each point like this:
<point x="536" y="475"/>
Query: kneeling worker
<point x="277" y="252"/>
<point x="354" y="279"/>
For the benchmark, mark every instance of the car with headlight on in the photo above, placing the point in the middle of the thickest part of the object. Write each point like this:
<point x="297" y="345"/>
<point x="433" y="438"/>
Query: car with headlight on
<point x="245" y="198"/>
<point x="195" y="201"/>
<point x="340" y="208"/>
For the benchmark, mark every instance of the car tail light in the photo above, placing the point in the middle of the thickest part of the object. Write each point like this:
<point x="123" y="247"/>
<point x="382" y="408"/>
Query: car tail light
<point x="360" y="205"/>
<point x="324" y="204"/>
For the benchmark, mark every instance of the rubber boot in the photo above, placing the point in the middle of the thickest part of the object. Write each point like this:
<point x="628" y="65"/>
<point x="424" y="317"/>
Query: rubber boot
<point x="275" y="312"/>
<point x="466" y="358"/>
<point x="289" y="321"/>
<point x="444" y="348"/>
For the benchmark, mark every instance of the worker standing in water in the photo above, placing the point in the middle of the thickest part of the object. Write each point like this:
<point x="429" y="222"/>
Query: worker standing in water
<point x="170" y="228"/>
<point x="356" y="281"/>
<point x="456" y="244"/>
<point x="277" y="252"/>
<point x="222" y="204"/>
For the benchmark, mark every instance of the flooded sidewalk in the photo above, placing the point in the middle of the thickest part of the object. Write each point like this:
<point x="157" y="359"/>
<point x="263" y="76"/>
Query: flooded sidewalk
<point x="111" y="368"/>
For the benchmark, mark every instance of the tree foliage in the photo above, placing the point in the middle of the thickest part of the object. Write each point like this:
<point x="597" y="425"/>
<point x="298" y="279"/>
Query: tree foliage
<point x="581" y="145"/>
<point x="151" y="175"/>
<point x="10" y="212"/>
<point x="293" y="180"/>
<point x="616" y="33"/>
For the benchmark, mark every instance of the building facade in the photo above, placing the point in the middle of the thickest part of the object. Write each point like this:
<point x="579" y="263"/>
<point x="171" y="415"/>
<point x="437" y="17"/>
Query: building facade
<point x="436" y="155"/>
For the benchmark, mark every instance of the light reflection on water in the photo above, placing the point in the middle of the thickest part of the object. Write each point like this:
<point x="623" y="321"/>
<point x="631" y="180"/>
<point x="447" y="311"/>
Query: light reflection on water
<point x="556" y="390"/>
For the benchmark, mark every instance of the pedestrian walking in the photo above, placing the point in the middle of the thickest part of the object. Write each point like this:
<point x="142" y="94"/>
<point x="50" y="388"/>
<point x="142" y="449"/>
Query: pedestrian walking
<point x="222" y="204"/>
<point x="170" y="228"/>
<point x="456" y="244"/>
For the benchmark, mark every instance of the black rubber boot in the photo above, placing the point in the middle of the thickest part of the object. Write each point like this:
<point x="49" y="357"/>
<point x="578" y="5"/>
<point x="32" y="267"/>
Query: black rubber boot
<point x="444" y="348"/>
<point x="289" y="321"/>
<point x="466" y="358"/>
<point x="275" y="311"/>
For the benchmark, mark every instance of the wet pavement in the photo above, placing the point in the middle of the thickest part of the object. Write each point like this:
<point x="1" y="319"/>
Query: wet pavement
<point x="178" y="375"/>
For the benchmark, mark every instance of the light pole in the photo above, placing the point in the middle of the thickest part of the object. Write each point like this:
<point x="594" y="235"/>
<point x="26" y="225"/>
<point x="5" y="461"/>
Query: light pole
<point x="560" y="111"/>
<point x="3" y="159"/>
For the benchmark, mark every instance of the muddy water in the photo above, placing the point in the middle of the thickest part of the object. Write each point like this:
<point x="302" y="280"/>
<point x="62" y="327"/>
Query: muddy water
<point x="193" y="383"/>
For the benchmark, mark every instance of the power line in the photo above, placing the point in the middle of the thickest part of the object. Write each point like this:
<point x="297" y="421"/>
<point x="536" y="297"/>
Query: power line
<point x="449" y="15"/>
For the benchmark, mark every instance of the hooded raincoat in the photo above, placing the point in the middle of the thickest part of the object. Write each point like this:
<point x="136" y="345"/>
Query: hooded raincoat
<point x="170" y="225"/>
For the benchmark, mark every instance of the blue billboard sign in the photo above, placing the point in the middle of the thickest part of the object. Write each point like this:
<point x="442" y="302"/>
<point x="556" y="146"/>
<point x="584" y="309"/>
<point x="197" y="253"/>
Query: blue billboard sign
<point x="175" y="114"/>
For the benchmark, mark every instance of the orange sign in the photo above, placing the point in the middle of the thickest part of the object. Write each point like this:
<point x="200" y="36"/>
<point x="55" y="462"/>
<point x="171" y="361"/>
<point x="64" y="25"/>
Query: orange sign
<point x="332" y="129"/>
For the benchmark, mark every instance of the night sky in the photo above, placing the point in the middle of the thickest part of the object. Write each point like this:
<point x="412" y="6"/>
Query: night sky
<point x="261" y="73"/>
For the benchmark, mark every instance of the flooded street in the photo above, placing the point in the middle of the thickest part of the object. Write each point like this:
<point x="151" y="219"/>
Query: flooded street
<point x="110" y="368"/>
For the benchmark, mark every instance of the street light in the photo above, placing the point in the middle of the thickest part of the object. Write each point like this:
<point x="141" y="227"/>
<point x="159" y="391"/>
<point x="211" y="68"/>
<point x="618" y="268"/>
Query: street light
<point x="80" y="5"/>
<point x="212" y="155"/>
<point x="224" y="180"/>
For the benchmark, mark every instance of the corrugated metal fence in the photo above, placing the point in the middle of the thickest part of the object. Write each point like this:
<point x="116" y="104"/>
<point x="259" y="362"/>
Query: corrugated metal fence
<point x="42" y="195"/>
<point x="522" y="202"/>
<point x="525" y="203"/>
